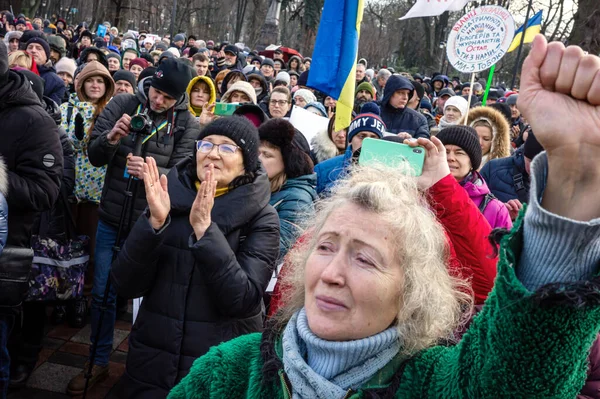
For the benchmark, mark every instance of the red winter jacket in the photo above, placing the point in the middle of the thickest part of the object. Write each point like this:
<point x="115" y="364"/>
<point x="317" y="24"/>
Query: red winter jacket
<point x="471" y="254"/>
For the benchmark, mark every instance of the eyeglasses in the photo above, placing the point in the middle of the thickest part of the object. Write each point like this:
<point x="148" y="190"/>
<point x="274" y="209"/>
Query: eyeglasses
<point x="206" y="147"/>
<point x="280" y="103"/>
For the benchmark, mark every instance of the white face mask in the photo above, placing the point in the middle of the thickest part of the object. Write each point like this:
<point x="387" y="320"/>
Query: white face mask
<point x="258" y="90"/>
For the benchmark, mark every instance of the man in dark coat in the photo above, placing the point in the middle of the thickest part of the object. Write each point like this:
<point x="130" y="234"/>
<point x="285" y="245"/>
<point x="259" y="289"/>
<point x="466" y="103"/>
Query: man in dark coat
<point x="170" y="139"/>
<point x="398" y="118"/>
<point x="31" y="150"/>
<point x="26" y="338"/>
<point x="54" y="87"/>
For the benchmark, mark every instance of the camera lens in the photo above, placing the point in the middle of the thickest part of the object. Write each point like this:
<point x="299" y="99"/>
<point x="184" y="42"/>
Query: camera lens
<point x="137" y="123"/>
<point x="417" y="151"/>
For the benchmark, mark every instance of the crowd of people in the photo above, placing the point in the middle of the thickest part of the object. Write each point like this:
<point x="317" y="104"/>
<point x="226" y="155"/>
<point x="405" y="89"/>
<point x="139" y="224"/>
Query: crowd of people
<point x="177" y="159"/>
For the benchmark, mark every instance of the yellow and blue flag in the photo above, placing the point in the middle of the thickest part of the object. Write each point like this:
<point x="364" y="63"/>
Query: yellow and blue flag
<point x="333" y="67"/>
<point x="534" y="26"/>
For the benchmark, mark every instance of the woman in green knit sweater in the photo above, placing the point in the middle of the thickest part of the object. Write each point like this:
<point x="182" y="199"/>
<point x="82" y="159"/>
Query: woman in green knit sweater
<point x="371" y="300"/>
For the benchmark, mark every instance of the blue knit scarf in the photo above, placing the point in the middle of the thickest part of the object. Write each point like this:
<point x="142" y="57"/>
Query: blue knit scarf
<point x="323" y="369"/>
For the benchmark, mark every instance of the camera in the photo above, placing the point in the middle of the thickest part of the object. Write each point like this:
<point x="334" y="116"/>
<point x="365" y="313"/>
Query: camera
<point x="141" y="124"/>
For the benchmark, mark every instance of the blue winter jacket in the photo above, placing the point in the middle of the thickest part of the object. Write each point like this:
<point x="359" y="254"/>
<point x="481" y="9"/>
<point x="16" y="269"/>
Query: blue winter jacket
<point x="329" y="171"/>
<point x="499" y="176"/>
<point x="402" y="119"/>
<point x="293" y="203"/>
<point x="54" y="87"/>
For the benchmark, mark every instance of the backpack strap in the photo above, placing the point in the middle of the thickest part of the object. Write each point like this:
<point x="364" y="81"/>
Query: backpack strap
<point x="69" y="113"/>
<point x="486" y="200"/>
<point x="520" y="188"/>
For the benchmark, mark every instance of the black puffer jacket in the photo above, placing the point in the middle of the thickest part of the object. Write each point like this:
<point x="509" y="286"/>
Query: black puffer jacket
<point x="166" y="151"/>
<point x="196" y="293"/>
<point x="57" y="221"/>
<point x="31" y="150"/>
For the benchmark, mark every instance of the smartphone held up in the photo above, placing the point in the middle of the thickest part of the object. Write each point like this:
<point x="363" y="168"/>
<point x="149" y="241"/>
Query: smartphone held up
<point x="392" y="154"/>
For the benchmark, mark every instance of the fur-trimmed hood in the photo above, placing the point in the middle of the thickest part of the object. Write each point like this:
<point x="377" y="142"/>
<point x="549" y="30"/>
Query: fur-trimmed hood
<point x="323" y="147"/>
<point x="500" y="131"/>
<point x="3" y="177"/>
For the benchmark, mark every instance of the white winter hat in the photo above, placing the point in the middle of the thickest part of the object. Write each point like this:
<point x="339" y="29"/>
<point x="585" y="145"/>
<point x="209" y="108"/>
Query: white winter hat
<point x="283" y="76"/>
<point x="174" y="51"/>
<point x="458" y="102"/>
<point x="66" y="65"/>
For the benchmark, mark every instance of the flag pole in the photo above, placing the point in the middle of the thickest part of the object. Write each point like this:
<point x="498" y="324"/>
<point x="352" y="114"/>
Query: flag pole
<point x="469" y="100"/>
<point x="489" y="84"/>
<point x="514" y="79"/>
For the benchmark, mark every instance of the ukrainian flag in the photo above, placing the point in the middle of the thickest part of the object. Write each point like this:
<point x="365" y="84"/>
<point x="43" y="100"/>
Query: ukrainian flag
<point x="534" y="26"/>
<point x="333" y="67"/>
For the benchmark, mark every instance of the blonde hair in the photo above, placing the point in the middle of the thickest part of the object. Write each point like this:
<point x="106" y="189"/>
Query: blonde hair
<point x="432" y="302"/>
<point x="277" y="182"/>
<point x="20" y="58"/>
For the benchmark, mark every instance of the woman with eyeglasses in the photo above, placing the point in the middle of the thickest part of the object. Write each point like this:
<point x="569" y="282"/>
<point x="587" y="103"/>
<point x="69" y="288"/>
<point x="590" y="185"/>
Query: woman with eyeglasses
<point x="280" y="102"/>
<point x="201" y="256"/>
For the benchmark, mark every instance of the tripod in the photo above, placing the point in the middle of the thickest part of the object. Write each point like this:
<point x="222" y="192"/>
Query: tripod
<point x="138" y="142"/>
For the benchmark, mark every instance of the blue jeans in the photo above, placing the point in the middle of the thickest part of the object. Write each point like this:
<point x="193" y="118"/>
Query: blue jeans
<point x="105" y="241"/>
<point x="6" y="324"/>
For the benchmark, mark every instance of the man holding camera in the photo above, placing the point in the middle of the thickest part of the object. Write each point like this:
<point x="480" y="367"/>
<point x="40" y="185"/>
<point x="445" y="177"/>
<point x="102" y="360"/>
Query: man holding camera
<point x="158" y="116"/>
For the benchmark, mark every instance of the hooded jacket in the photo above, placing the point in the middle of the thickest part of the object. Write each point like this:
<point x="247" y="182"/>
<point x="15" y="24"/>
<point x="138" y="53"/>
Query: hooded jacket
<point x="263" y="97"/>
<point x="299" y="69"/>
<point x="33" y="156"/>
<point x="213" y="94"/>
<point x="293" y="202"/>
<point x="500" y="175"/>
<point x="77" y="119"/>
<point x="495" y="212"/>
<point x="86" y="51"/>
<point x="323" y="148"/>
<point x="54" y="86"/>
<point x="500" y="131"/>
<point x="166" y="150"/>
<point x="399" y="120"/>
<point x="197" y="293"/>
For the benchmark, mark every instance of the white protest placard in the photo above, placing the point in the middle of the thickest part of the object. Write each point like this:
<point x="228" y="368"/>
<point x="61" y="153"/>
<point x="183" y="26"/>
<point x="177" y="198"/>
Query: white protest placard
<point x="307" y="123"/>
<point x="480" y="38"/>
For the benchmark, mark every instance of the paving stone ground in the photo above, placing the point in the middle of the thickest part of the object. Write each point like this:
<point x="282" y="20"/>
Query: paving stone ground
<point x="63" y="356"/>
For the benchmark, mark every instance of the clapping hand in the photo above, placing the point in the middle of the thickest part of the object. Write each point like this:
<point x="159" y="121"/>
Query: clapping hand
<point x="157" y="194"/>
<point x="435" y="167"/>
<point x="560" y="97"/>
<point x="200" y="218"/>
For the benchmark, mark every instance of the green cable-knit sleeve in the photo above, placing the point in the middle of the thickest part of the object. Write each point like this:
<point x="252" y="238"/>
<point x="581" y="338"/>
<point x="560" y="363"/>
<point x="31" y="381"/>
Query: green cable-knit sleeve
<point x="522" y="344"/>
<point x="232" y="369"/>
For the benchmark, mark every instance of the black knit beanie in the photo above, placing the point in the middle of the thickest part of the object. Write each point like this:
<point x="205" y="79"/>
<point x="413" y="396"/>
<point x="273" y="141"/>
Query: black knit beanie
<point x="464" y="137"/>
<point x="42" y="42"/>
<point x="172" y="77"/>
<point x="242" y="132"/>
<point x="282" y="134"/>
<point x="122" y="74"/>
